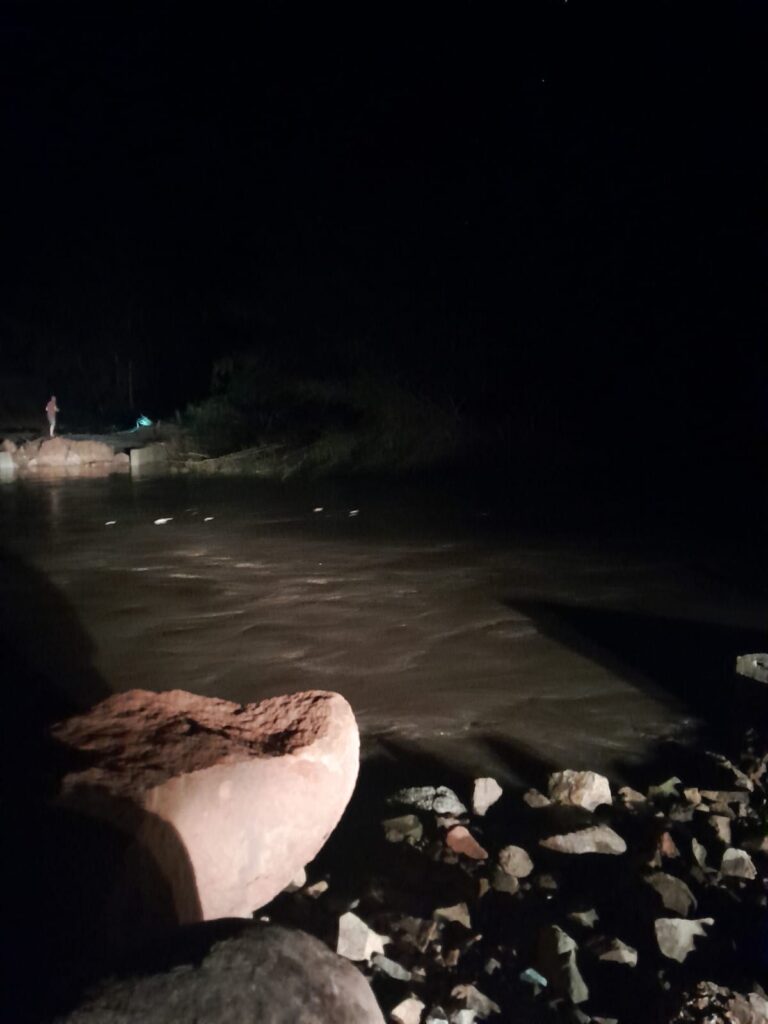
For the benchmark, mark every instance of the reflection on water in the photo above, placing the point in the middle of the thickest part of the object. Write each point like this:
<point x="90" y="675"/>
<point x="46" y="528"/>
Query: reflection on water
<point x="440" y="628"/>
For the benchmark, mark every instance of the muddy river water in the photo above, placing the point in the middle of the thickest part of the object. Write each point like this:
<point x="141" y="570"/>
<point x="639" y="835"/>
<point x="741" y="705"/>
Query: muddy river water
<point x="448" y="629"/>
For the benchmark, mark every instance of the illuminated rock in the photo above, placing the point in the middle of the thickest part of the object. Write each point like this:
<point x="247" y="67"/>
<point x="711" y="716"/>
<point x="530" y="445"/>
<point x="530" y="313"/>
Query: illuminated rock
<point x="229" y="802"/>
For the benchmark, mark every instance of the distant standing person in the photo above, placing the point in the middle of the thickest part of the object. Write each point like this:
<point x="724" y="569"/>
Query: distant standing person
<point x="50" y="411"/>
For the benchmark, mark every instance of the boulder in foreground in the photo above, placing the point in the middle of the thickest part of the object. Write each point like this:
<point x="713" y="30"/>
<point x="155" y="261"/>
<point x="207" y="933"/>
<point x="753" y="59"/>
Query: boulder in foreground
<point x="229" y="802"/>
<point x="272" y="974"/>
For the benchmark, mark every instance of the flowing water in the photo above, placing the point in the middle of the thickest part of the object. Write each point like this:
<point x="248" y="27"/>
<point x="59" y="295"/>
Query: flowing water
<point x="449" y="630"/>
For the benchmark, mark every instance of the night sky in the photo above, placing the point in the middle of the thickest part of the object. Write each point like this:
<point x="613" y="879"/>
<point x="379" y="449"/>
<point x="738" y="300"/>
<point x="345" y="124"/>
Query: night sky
<point x="557" y="217"/>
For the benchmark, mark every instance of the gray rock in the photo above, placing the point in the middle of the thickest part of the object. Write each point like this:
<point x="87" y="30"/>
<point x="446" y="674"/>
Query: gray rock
<point x="514" y="860"/>
<point x="753" y="666"/>
<point x="406" y="828"/>
<point x="675" y="894"/>
<point x="557" y="962"/>
<point x="502" y="882"/>
<point x="261" y="974"/>
<point x="738" y="864"/>
<point x="536" y="799"/>
<point x="407" y="1012"/>
<point x="586" y="918"/>
<point x="356" y="940"/>
<point x="391" y="968"/>
<point x="436" y="1015"/>
<point x="616" y="951"/>
<point x="439" y="799"/>
<point x="600" y="839"/>
<point x="676" y="935"/>
<point x="579" y="789"/>
<point x="485" y="794"/>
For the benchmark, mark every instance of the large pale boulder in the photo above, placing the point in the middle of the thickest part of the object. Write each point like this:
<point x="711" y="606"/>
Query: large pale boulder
<point x="271" y="975"/>
<point x="228" y="802"/>
<point x="53" y="452"/>
<point x="92" y="451"/>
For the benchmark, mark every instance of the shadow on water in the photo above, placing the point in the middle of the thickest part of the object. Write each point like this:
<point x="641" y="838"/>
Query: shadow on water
<point x="688" y="662"/>
<point x="71" y="908"/>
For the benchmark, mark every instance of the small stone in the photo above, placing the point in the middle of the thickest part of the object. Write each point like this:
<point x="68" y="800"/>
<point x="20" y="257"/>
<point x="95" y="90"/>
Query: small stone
<point x="699" y="853"/>
<point x="514" y="860"/>
<point x="619" y="952"/>
<point x="483" y="886"/>
<point x="557" y="960"/>
<point x="406" y="828"/>
<point x="463" y="1017"/>
<point x="439" y="799"/>
<point x="356" y="940"/>
<point x="316" y="890"/>
<point x="668" y="788"/>
<point x="753" y="666"/>
<point x="459" y="913"/>
<point x="297" y="883"/>
<point x="721" y="826"/>
<point x="492" y="965"/>
<point x="486" y="792"/>
<point x="738" y="864"/>
<point x="600" y="839"/>
<point x="675" y="894"/>
<point x="667" y="846"/>
<point x="532" y="977"/>
<point x="579" y="789"/>
<point x="389" y="967"/>
<point x="474" y="999"/>
<point x="407" y="1012"/>
<point x="693" y="796"/>
<point x="586" y="918"/>
<point x="436" y="1015"/>
<point x="461" y="840"/>
<point x="631" y="796"/>
<point x="502" y="882"/>
<point x="536" y="799"/>
<point x="675" y="935"/>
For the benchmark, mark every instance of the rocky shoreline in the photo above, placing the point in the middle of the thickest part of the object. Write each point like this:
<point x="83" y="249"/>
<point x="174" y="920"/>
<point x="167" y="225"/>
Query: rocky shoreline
<point x="577" y="905"/>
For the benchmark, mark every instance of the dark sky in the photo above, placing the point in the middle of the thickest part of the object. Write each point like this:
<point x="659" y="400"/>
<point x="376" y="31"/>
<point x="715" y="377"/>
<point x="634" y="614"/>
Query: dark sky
<point x="560" y="210"/>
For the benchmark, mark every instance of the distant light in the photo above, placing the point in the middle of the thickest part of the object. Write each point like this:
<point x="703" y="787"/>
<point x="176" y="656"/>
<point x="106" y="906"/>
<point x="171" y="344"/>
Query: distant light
<point x="162" y="522"/>
<point x="355" y="512"/>
<point x="208" y="519"/>
<point x="318" y="509"/>
<point x="110" y="522"/>
<point x="143" y="421"/>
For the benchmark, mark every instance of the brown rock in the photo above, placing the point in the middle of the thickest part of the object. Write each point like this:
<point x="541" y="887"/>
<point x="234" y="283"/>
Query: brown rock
<point x="461" y="840"/>
<point x="230" y="802"/>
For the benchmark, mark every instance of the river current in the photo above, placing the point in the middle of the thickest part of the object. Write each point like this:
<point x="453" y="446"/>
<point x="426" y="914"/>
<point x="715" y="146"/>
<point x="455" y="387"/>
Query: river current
<point x="450" y="630"/>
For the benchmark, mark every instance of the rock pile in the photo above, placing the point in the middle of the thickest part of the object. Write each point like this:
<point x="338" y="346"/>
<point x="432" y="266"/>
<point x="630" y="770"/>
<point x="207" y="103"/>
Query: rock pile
<point x="63" y="453"/>
<point x="579" y="905"/>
